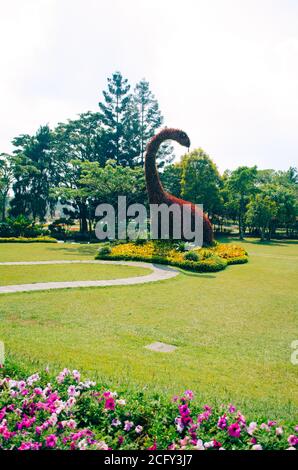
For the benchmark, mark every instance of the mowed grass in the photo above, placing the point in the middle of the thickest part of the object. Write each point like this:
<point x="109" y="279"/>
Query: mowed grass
<point x="10" y="275"/>
<point x="46" y="251"/>
<point x="233" y="330"/>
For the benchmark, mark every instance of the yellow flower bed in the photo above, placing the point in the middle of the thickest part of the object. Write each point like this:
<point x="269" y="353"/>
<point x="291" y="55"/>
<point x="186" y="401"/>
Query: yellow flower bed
<point x="229" y="251"/>
<point x="209" y="259"/>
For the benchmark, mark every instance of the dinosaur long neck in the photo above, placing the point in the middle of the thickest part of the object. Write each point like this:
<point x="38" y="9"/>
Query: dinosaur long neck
<point x="155" y="190"/>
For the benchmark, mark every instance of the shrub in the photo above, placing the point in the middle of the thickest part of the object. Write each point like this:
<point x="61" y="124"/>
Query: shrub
<point x="191" y="256"/>
<point x="41" y="412"/>
<point x="22" y="227"/>
<point x="181" y="246"/>
<point x="104" y="250"/>
<point x="28" y="240"/>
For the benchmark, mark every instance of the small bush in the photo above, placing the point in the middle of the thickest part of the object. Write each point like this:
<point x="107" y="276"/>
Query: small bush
<point x="28" y="240"/>
<point x="181" y="247"/>
<point x="191" y="256"/>
<point x="104" y="250"/>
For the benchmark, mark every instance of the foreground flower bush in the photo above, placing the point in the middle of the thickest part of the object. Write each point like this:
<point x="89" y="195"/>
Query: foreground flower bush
<point x="68" y="413"/>
<point x="206" y="259"/>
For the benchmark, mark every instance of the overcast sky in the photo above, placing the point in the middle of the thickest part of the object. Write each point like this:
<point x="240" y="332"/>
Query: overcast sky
<point x="225" y="71"/>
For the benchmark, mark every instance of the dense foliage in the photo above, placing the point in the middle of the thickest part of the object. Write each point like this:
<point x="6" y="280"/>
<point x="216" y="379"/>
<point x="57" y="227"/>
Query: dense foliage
<point x="65" y="412"/>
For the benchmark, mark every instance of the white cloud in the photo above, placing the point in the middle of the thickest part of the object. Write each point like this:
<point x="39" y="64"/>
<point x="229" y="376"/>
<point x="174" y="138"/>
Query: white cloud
<point x="224" y="70"/>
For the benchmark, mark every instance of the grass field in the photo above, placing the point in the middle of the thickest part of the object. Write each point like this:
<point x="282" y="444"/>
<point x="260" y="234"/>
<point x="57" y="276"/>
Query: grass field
<point x="46" y="251"/>
<point x="233" y="329"/>
<point x="75" y="272"/>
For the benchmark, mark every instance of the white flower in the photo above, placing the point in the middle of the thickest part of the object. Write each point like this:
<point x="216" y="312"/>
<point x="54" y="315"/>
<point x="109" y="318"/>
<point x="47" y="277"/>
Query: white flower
<point x="257" y="447"/>
<point x="207" y="445"/>
<point x="251" y="428"/>
<point x="121" y="402"/>
<point x="199" y="445"/>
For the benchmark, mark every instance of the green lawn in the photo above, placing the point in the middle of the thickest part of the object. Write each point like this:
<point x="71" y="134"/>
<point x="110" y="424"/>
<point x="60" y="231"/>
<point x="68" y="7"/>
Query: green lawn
<point x="46" y="251"/>
<point x="233" y="329"/>
<point x="74" y="272"/>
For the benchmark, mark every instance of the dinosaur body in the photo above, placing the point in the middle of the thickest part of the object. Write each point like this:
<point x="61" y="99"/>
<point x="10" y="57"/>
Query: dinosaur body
<point x="156" y="192"/>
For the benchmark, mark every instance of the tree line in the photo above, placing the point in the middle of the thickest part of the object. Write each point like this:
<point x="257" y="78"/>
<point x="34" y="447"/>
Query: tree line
<point x="100" y="155"/>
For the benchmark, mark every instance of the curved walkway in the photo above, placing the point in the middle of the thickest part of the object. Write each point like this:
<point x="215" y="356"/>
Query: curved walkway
<point x="159" y="273"/>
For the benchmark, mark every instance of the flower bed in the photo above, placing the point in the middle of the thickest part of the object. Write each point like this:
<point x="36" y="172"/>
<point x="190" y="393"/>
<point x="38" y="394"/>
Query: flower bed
<point x="68" y="413"/>
<point x="205" y="259"/>
<point x="28" y="240"/>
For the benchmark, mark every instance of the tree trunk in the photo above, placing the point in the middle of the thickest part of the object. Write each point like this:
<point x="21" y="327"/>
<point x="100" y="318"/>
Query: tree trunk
<point x="83" y="217"/>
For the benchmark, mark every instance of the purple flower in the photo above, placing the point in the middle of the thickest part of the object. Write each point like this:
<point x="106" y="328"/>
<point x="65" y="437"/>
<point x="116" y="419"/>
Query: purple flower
<point x="234" y="430"/>
<point x="222" y="422"/>
<point x="128" y="425"/>
<point x="51" y="441"/>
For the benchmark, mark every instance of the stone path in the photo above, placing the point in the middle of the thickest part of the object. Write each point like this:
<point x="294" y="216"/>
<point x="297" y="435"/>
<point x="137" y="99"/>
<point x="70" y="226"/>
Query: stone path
<point x="159" y="273"/>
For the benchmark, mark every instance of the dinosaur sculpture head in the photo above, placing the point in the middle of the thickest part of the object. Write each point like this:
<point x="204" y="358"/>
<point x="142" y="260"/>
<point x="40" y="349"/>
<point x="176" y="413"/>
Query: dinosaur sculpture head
<point x="182" y="138"/>
<point x="168" y="133"/>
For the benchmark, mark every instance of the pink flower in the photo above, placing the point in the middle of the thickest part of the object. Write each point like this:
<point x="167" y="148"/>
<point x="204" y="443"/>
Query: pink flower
<point x="232" y="408"/>
<point x="271" y="423"/>
<point x="110" y="404"/>
<point x="153" y="447"/>
<point x="257" y="447"/>
<point x="279" y="431"/>
<point x="293" y="440"/>
<point x="216" y="443"/>
<point x="51" y="440"/>
<point x="139" y="429"/>
<point x="76" y="375"/>
<point x="234" y="430"/>
<point x="251" y="428"/>
<point x="188" y="394"/>
<point x="25" y="446"/>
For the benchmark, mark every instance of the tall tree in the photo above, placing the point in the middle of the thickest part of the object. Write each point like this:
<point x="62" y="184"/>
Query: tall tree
<point x="261" y="210"/>
<point x="5" y="183"/>
<point x="77" y="141"/>
<point x="32" y="167"/>
<point x="241" y="185"/>
<point x="114" y="115"/>
<point x="171" y="179"/>
<point x="150" y="117"/>
<point x="201" y="181"/>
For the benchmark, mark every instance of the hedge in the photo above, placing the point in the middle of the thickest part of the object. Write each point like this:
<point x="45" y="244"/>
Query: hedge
<point x="28" y="240"/>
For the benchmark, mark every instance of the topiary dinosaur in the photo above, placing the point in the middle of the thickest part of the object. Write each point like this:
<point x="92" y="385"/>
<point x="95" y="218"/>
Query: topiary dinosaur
<point x="156" y="192"/>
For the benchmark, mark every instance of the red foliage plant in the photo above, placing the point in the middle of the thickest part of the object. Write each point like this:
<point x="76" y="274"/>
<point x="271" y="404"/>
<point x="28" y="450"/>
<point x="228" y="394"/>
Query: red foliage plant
<point x="156" y="192"/>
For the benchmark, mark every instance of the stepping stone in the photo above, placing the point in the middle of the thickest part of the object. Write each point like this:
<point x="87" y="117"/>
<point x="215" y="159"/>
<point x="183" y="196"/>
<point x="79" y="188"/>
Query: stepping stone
<point x="161" y="347"/>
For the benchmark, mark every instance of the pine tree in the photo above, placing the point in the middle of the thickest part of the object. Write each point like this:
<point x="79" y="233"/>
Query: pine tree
<point x="114" y="114"/>
<point x="150" y="119"/>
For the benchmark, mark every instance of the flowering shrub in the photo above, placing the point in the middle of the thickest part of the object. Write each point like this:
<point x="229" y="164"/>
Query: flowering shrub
<point x="68" y="413"/>
<point x="200" y="260"/>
